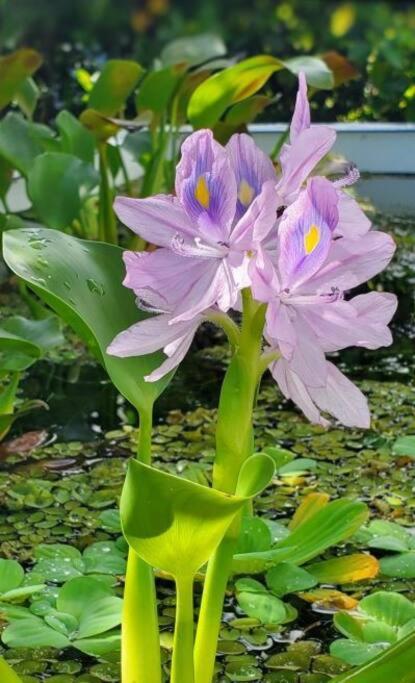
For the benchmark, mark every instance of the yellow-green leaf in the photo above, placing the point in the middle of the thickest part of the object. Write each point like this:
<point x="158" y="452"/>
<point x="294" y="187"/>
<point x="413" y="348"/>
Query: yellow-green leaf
<point x="346" y="569"/>
<point x="116" y="81"/>
<point x="14" y="69"/>
<point x="308" y="507"/>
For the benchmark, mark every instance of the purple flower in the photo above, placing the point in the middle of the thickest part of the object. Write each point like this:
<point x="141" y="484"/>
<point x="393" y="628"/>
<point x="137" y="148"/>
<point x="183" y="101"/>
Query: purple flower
<point x="299" y="241"/>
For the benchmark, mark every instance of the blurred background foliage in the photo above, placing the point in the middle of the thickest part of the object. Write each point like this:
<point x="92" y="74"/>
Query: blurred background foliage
<point x="377" y="37"/>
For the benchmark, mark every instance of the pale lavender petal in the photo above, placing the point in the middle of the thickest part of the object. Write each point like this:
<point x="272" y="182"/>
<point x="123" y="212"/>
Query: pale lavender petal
<point x="251" y="167"/>
<point x="308" y="360"/>
<point x="339" y="397"/>
<point x="258" y="221"/>
<point x="305" y="232"/>
<point x="263" y="276"/>
<point x="164" y="276"/>
<point x="342" y="399"/>
<point x="301" y="117"/>
<point x="353" y="222"/>
<point x="213" y="286"/>
<point x="375" y="310"/>
<point x="279" y="329"/>
<point x="351" y="262"/>
<point x="293" y="388"/>
<point x="299" y="159"/>
<point x="174" y="355"/>
<point x="206" y="186"/>
<point x="156" y="219"/>
<point x="148" y="336"/>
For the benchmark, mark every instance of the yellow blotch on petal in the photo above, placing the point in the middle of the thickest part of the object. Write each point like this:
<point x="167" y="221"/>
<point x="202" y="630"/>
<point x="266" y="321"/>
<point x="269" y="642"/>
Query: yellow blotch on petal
<point x="202" y="192"/>
<point x="311" y="238"/>
<point x="246" y="193"/>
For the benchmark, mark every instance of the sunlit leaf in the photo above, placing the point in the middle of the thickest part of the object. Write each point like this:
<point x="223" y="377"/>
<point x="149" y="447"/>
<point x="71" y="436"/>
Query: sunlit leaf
<point x="245" y="112"/>
<point x="27" y="96"/>
<point x="14" y="69"/>
<point x="75" y="139"/>
<point x="400" y="566"/>
<point x="33" y="632"/>
<point x="354" y="652"/>
<point x="116" y="81"/>
<point x="7" y="675"/>
<point x="158" y="87"/>
<point x="342" y="19"/>
<point x="329" y="598"/>
<point x="99" y="125"/>
<point x="311" y="504"/>
<point x="405" y="446"/>
<point x="254" y="535"/>
<point x="345" y="569"/>
<point x="288" y="578"/>
<point x="85" y="289"/>
<point x="175" y="524"/>
<point x="11" y="575"/>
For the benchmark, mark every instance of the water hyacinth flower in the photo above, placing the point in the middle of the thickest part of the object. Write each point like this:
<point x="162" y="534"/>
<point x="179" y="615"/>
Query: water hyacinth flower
<point x="298" y="241"/>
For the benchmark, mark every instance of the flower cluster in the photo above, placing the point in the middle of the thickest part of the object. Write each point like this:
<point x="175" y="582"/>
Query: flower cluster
<point x="297" y="240"/>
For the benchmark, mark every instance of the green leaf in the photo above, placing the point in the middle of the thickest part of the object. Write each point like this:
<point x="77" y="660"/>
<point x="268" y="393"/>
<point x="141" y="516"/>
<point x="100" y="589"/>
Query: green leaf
<point x="99" y="646"/>
<point x="288" y="578"/>
<point x="45" y="333"/>
<point x="116" y="81"/>
<point x="14" y="69"/>
<point x="75" y="138"/>
<point x="193" y="50"/>
<point x="254" y="535"/>
<point x="395" y="664"/>
<point x="388" y="536"/>
<point x="70" y="178"/>
<point x="104" y="558"/>
<point x="158" y="88"/>
<point x="257" y="563"/>
<point x="22" y="141"/>
<point x="11" y="575"/>
<point x="331" y="524"/>
<point x="356" y="653"/>
<point x="317" y="73"/>
<point x="175" y="524"/>
<point x="405" y="446"/>
<point x="280" y="456"/>
<point x="27" y="96"/>
<point x="345" y="569"/>
<point x="7" y="675"/>
<point x="85" y="289"/>
<point x="298" y="466"/>
<point x="392" y="608"/>
<point x="33" y="632"/>
<point x="80" y="594"/>
<point x="16" y="354"/>
<point x="400" y="566"/>
<point x="263" y="606"/>
<point x="100" y="616"/>
<point x="245" y="112"/>
<point x="234" y="84"/>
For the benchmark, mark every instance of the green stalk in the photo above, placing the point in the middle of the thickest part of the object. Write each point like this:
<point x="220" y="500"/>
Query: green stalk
<point x="234" y="444"/>
<point x="140" y="649"/>
<point x="182" y="664"/>
<point x="107" y="221"/>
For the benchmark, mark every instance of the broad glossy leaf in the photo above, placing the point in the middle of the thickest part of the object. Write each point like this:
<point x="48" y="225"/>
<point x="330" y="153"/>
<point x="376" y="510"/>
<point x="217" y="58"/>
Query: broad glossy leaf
<point x="342" y="70"/>
<point x="70" y="178"/>
<point x="101" y="127"/>
<point x="317" y="73"/>
<point x="331" y="524"/>
<point x="158" y="87"/>
<point x="388" y="536"/>
<point x="100" y="616"/>
<point x="16" y="354"/>
<point x="298" y="466"/>
<point x="22" y="141"/>
<point x="354" y="652"/>
<point x="394" y="664"/>
<point x="85" y="289"/>
<point x="104" y="558"/>
<point x="45" y="333"/>
<point x="345" y="569"/>
<point x="11" y="575"/>
<point x="254" y="535"/>
<point x="405" y="446"/>
<point x="7" y="675"/>
<point x="80" y="594"/>
<point x="400" y="566"/>
<point x="75" y="138"/>
<point x="211" y="99"/>
<point x="175" y="524"/>
<point x="193" y="50"/>
<point x="116" y="81"/>
<point x="263" y="606"/>
<point x="99" y="646"/>
<point x="14" y="69"/>
<point x="280" y="456"/>
<point x="258" y="562"/>
<point x="33" y="632"/>
<point x="392" y="608"/>
<point x="308" y="507"/>
<point x="288" y="578"/>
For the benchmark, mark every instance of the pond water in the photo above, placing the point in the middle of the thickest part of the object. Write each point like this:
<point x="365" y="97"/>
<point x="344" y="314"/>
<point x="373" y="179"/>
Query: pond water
<point x="57" y="492"/>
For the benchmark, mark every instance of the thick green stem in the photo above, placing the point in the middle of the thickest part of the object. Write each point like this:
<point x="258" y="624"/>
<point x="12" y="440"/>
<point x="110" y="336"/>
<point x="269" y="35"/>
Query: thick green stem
<point x="107" y="221"/>
<point x="182" y="664"/>
<point x="234" y="443"/>
<point x="140" y="651"/>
